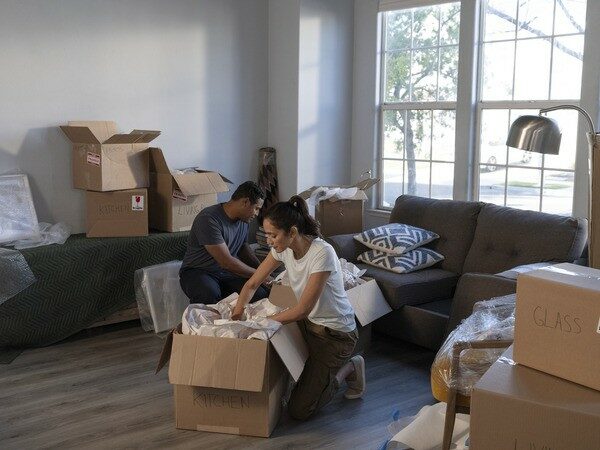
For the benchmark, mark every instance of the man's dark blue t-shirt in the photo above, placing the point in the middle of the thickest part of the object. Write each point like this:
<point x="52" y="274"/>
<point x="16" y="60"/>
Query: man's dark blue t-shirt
<point x="212" y="227"/>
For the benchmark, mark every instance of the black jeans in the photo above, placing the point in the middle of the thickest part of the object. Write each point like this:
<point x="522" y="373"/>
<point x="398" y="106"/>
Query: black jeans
<point x="210" y="287"/>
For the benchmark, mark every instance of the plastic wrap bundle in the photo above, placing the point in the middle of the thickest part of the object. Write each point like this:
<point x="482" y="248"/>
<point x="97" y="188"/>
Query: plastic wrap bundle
<point x="215" y="320"/>
<point x="159" y="296"/>
<point x="491" y="320"/>
<point x="14" y="273"/>
<point x="49" y="234"/>
<point x="351" y="274"/>
<point x="18" y="219"/>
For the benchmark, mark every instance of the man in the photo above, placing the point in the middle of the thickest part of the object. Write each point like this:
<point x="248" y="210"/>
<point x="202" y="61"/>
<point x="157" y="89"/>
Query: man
<point x="218" y="260"/>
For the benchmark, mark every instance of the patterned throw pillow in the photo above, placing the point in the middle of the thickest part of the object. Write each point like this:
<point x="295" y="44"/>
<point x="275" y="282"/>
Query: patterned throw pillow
<point x="419" y="258"/>
<point x="395" y="238"/>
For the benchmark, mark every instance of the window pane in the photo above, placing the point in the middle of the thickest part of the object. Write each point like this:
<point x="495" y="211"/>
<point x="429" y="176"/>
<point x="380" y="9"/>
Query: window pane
<point x="570" y="17"/>
<point x="393" y="134"/>
<point x="444" y="125"/>
<point x="558" y="192"/>
<point x="498" y="63"/>
<point x="448" y="73"/>
<point x="532" y="73"/>
<point x="494" y="129"/>
<point x="397" y="76"/>
<point x="392" y="182"/>
<point x="568" y="122"/>
<point x="567" y="61"/>
<point x="523" y="190"/>
<point x="491" y="185"/>
<point x="398" y="25"/>
<point x="442" y="180"/>
<point x="499" y="20"/>
<point x="449" y="23"/>
<point x="416" y="178"/>
<point x="424" y="75"/>
<point x="426" y="26"/>
<point x="418" y="135"/>
<point x="535" y="18"/>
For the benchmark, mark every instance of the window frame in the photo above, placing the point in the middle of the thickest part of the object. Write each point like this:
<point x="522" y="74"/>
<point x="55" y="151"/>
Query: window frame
<point x="469" y="108"/>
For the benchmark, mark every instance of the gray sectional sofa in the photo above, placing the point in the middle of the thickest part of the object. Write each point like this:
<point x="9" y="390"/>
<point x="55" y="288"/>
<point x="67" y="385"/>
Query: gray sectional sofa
<point x="478" y="241"/>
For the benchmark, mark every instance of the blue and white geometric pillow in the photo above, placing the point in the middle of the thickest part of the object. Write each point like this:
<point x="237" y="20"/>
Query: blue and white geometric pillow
<point x="395" y="238"/>
<point x="419" y="258"/>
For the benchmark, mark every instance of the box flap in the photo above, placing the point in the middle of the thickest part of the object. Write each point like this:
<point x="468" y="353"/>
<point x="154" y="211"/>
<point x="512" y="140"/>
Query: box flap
<point x="283" y="296"/>
<point x="131" y="138"/>
<point x="165" y="354"/>
<point x="80" y="135"/>
<point x="365" y="184"/>
<point x="368" y="302"/>
<point x="218" y="180"/>
<point x="224" y="363"/>
<point x="148" y="135"/>
<point x="157" y="161"/>
<point x="102" y="129"/>
<point x="291" y="348"/>
<point x="200" y="183"/>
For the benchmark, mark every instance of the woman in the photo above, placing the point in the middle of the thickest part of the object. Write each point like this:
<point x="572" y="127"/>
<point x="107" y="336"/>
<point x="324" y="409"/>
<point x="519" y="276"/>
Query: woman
<point x="323" y="312"/>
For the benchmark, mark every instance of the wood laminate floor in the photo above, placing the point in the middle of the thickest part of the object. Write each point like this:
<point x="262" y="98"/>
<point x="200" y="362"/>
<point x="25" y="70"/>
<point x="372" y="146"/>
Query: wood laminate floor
<point x="100" y="391"/>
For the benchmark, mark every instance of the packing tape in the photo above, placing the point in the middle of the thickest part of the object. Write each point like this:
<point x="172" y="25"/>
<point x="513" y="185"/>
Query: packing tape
<point x="218" y="429"/>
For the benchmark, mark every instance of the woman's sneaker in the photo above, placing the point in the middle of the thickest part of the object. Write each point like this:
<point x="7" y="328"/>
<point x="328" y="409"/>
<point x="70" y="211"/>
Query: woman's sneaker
<point x="357" y="381"/>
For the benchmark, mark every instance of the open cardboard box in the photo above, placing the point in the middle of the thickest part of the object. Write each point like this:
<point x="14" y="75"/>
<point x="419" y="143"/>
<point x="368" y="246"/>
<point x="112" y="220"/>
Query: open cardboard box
<point x="233" y="386"/>
<point x="177" y="198"/>
<point x="341" y="216"/>
<point x="104" y="159"/>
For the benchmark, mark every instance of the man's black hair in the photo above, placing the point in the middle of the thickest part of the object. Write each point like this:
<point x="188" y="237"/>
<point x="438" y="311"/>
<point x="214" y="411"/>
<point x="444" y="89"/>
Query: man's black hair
<point x="249" y="190"/>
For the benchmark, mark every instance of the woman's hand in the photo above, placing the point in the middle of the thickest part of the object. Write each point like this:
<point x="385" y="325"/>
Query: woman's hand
<point x="237" y="315"/>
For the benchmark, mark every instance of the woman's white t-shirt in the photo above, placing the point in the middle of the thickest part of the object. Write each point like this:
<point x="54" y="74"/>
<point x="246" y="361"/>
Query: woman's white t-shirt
<point x="332" y="309"/>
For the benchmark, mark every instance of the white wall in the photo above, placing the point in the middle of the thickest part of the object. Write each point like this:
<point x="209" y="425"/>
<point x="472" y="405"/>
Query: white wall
<point x="283" y="91"/>
<point x="195" y="69"/>
<point x="325" y="92"/>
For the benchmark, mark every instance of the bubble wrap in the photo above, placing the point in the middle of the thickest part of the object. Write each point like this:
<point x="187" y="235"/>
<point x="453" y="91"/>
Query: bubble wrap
<point x="14" y="273"/>
<point x="215" y="320"/>
<point x="18" y="219"/>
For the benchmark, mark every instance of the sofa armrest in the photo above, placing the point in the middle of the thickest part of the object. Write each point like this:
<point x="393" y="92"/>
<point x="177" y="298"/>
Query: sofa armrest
<point x="473" y="287"/>
<point x="346" y="246"/>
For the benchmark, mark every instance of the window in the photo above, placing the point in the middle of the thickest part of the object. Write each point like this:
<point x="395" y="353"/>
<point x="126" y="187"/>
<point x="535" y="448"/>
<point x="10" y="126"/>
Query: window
<point x="418" y="97"/>
<point x="530" y="56"/>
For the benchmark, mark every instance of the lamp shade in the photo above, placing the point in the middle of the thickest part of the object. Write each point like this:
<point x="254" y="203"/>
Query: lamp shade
<point x="539" y="134"/>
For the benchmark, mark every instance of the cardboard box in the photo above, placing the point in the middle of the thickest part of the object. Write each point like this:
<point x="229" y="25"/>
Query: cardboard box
<point x="341" y="216"/>
<point x="518" y="408"/>
<point x="105" y="160"/>
<point x="557" y="322"/>
<point x="367" y="300"/>
<point x="117" y="214"/>
<point x="232" y="386"/>
<point x="177" y="198"/>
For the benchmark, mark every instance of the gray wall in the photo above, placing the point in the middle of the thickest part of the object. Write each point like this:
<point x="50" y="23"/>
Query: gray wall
<point x="325" y="92"/>
<point x="195" y="69"/>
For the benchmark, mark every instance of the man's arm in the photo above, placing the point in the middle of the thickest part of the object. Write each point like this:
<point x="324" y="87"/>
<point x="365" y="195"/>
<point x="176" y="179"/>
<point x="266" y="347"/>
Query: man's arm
<point x="247" y="256"/>
<point x="221" y="254"/>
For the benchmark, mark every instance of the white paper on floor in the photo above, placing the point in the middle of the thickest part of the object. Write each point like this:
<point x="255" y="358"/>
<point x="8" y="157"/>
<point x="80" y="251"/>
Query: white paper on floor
<point x="215" y="320"/>
<point x="426" y="430"/>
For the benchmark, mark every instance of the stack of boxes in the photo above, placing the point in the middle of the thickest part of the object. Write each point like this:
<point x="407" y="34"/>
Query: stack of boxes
<point x="129" y="186"/>
<point x="545" y="392"/>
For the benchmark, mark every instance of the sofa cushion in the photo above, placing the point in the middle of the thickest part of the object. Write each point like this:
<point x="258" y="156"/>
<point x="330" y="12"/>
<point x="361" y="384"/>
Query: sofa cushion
<point x="454" y="221"/>
<point x="417" y="259"/>
<point x="508" y="237"/>
<point x="395" y="238"/>
<point x="413" y="288"/>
